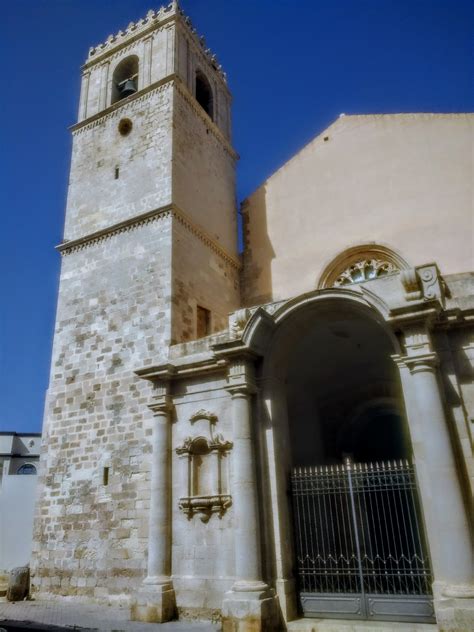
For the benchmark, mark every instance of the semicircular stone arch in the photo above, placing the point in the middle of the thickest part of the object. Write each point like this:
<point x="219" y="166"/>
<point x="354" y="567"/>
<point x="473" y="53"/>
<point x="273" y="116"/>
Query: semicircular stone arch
<point x="361" y="263"/>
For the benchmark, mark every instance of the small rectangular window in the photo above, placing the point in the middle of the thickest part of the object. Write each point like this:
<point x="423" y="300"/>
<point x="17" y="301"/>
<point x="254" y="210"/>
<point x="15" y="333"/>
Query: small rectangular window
<point x="203" y="317"/>
<point x="105" y="477"/>
<point x="117" y="173"/>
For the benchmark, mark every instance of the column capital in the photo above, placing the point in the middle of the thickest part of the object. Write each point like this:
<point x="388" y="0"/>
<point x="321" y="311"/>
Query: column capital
<point x="422" y="362"/>
<point x="161" y="405"/>
<point x="241" y="390"/>
<point x="241" y="377"/>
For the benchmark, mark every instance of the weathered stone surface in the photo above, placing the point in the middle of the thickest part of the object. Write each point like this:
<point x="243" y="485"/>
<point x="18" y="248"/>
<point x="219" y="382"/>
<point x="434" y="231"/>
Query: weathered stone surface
<point x="18" y="583"/>
<point x="150" y="234"/>
<point x="153" y="604"/>
<point x="247" y="612"/>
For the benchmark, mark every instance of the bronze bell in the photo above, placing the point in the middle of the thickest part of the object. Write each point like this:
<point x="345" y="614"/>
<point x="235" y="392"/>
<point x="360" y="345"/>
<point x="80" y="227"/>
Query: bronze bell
<point x="127" y="88"/>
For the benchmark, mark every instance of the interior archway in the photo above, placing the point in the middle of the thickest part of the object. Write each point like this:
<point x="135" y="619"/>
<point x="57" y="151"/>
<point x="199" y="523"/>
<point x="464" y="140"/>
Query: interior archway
<point x="342" y="388"/>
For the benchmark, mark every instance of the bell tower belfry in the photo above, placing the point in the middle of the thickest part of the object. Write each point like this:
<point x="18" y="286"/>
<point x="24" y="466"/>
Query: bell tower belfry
<point x="153" y="137"/>
<point x="149" y="259"/>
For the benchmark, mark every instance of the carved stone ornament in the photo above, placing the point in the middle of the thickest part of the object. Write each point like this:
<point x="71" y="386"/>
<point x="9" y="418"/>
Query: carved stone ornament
<point x="364" y="270"/>
<point x="203" y="414"/>
<point x="422" y="283"/>
<point x="204" y="475"/>
<point x="205" y="506"/>
<point x="410" y="284"/>
<point x="237" y="322"/>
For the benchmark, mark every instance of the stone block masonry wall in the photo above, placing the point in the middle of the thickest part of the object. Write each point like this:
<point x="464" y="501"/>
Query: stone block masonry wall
<point x="96" y="197"/>
<point x="201" y="276"/>
<point x="203" y="172"/>
<point x="113" y="316"/>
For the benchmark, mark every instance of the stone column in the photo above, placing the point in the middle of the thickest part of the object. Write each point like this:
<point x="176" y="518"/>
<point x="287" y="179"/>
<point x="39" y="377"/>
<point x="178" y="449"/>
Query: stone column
<point x="250" y="605"/>
<point x="156" y="602"/>
<point x="444" y="510"/>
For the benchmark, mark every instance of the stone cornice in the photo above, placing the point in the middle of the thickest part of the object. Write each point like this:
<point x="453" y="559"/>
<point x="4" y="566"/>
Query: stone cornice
<point x="176" y="372"/>
<point x="169" y="81"/>
<point x="170" y="210"/>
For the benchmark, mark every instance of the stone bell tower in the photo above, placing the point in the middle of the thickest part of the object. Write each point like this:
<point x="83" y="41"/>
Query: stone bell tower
<point x="149" y="258"/>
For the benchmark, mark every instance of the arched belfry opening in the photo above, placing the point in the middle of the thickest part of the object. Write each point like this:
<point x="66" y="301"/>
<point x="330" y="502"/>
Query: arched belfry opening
<point x="204" y="94"/>
<point x="125" y="78"/>
<point x="337" y="409"/>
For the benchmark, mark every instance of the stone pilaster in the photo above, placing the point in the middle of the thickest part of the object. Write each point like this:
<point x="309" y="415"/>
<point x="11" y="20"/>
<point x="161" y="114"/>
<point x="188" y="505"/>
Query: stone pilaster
<point x="251" y="605"/>
<point x="84" y="95"/>
<point x="104" y="85"/>
<point x="156" y="601"/>
<point x="444" y="510"/>
<point x="274" y="417"/>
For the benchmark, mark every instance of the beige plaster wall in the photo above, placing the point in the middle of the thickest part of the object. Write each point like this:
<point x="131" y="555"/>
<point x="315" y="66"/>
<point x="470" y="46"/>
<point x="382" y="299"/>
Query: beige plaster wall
<point x="404" y="181"/>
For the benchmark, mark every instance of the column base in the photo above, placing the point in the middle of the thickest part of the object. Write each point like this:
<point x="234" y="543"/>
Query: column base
<point x="454" y="608"/>
<point x="153" y="602"/>
<point x="251" y="607"/>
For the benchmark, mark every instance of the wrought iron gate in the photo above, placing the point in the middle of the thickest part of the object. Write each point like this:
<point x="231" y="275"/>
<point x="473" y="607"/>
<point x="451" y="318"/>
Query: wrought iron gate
<point x="359" y="542"/>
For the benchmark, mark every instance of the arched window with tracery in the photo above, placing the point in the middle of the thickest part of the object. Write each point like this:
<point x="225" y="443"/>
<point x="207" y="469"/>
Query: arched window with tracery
<point x="360" y="264"/>
<point x="26" y="469"/>
<point x="204" y="94"/>
<point x="125" y="78"/>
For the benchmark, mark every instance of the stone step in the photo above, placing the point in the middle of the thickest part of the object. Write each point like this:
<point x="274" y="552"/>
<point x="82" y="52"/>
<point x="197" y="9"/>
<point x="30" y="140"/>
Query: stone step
<point x="344" y="625"/>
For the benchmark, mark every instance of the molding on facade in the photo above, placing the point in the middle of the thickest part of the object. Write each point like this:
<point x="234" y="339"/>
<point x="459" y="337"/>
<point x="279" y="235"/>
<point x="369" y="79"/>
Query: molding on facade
<point x="170" y="210"/>
<point x="355" y="255"/>
<point x="205" y="506"/>
<point x="251" y="329"/>
<point x="204" y="451"/>
<point x="100" y="117"/>
<point x="170" y="81"/>
<point x="204" y="414"/>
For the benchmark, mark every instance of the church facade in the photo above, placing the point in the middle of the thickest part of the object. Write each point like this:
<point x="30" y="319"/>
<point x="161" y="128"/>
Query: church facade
<point x="266" y="438"/>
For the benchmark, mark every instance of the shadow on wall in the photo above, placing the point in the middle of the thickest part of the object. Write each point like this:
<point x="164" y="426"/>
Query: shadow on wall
<point x="256" y="281"/>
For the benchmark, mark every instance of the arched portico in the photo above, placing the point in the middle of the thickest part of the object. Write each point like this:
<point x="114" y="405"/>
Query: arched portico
<point x="336" y="343"/>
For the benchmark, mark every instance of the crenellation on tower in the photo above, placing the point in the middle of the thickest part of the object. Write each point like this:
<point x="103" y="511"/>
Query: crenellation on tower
<point x="166" y="46"/>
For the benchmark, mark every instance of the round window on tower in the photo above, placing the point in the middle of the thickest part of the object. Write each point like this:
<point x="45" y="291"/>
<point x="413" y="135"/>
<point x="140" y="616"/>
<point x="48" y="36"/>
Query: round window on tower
<point x="125" y="126"/>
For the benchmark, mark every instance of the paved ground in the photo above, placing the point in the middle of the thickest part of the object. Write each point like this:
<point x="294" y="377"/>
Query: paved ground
<point x="56" y="616"/>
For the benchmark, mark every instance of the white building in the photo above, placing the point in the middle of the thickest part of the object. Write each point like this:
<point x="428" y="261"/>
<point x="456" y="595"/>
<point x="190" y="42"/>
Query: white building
<point x="19" y="456"/>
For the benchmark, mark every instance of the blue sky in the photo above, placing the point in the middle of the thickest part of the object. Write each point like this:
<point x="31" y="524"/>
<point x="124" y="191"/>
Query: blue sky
<point x="293" y="67"/>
